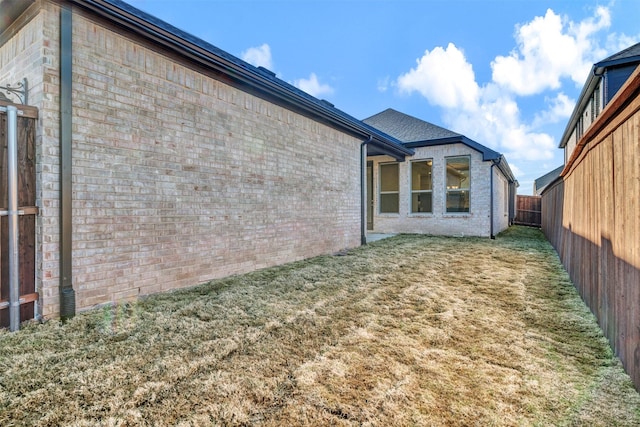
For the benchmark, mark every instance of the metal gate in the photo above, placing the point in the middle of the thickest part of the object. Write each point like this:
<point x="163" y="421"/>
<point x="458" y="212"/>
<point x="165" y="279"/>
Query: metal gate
<point x="18" y="213"/>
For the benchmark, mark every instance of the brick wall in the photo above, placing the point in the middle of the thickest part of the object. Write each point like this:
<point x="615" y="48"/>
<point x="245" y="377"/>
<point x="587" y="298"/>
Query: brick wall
<point x="179" y="178"/>
<point x="500" y="201"/>
<point x="31" y="51"/>
<point x="474" y="223"/>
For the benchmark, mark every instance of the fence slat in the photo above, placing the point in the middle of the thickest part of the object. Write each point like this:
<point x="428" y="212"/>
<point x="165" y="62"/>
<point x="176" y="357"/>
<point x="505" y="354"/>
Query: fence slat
<point x="591" y="217"/>
<point x="529" y="211"/>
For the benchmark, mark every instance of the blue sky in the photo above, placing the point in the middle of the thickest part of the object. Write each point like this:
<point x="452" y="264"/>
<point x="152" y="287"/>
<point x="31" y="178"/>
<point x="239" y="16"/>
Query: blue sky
<point x="505" y="73"/>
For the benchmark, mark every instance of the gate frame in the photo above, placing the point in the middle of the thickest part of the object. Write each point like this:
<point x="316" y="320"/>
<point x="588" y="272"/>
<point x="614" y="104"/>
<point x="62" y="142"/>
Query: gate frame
<point x="13" y="212"/>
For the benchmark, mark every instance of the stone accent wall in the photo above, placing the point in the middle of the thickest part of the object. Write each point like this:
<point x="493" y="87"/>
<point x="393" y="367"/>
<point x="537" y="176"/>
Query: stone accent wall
<point x="178" y="178"/>
<point x="474" y="223"/>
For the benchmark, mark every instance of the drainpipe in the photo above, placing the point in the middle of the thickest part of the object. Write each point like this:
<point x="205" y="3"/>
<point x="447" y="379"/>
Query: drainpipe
<point x="67" y="294"/>
<point x="363" y="190"/>
<point x="493" y="164"/>
<point x="12" y="181"/>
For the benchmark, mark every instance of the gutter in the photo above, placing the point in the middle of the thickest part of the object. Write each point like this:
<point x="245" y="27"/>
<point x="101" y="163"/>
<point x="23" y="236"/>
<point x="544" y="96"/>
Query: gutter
<point x="595" y="75"/>
<point x="216" y="59"/>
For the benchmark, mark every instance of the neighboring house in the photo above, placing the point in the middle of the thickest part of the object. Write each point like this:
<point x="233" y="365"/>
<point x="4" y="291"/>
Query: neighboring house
<point x="451" y="185"/>
<point x="541" y="183"/>
<point x="163" y="161"/>
<point x="604" y="81"/>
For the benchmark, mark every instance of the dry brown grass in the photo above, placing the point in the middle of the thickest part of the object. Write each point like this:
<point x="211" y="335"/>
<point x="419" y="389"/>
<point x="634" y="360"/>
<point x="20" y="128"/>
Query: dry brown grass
<point x="412" y="330"/>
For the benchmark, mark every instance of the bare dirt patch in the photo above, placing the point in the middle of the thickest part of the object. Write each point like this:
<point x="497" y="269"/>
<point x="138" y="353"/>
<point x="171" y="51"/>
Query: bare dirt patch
<point x="412" y="330"/>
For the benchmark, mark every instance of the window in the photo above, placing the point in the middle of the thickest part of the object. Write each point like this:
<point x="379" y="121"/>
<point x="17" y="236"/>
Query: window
<point x="421" y="200"/>
<point x="389" y="188"/>
<point x="458" y="181"/>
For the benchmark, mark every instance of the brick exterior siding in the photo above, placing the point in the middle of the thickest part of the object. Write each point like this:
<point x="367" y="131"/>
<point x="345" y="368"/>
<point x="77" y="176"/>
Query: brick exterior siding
<point x="474" y="223"/>
<point x="178" y="178"/>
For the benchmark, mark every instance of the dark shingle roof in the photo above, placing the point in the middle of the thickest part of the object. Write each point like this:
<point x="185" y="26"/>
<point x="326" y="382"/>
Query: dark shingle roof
<point x="628" y="55"/>
<point x="546" y="179"/>
<point x="407" y="128"/>
<point x="416" y="133"/>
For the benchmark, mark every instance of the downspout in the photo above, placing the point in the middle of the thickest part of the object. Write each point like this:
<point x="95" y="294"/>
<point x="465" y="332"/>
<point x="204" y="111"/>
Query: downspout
<point x="363" y="190"/>
<point x="67" y="294"/>
<point x="12" y="184"/>
<point x="493" y="164"/>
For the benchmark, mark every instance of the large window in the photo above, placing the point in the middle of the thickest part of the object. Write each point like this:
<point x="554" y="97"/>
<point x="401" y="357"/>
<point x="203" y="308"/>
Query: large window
<point x="421" y="190"/>
<point x="389" y="188"/>
<point x="458" y="184"/>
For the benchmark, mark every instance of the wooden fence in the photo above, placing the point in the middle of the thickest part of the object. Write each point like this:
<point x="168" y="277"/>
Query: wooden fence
<point x="529" y="211"/>
<point x="591" y="216"/>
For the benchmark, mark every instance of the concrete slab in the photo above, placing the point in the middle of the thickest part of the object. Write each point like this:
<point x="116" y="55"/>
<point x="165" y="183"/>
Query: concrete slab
<point x="373" y="237"/>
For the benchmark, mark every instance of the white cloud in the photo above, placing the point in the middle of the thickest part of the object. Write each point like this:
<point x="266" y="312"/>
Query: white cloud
<point x="261" y="56"/>
<point x="560" y="109"/>
<point x="616" y="42"/>
<point x="383" y="84"/>
<point x="444" y="77"/>
<point x="496" y="123"/>
<point x="258" y="56"/>
<point x="313" y="86"/>
<point x="486" y="114"/>
<point x="550" y="48"/>
<point x="516" y="170"/>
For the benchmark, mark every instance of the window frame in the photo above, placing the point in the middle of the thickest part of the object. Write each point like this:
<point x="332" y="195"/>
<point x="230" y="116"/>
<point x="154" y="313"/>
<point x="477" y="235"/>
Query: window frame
<point x="412" y="191"/>
<point x="448" y="190"/>
<point x="382" y="193"/>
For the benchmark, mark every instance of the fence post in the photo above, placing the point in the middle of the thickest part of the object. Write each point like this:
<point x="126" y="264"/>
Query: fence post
<point x="12" y="190"/>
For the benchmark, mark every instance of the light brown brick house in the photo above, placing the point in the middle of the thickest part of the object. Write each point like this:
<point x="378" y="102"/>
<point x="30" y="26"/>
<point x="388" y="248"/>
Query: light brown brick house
<point x="450" y="185"/>
<point x="163" y="162"/>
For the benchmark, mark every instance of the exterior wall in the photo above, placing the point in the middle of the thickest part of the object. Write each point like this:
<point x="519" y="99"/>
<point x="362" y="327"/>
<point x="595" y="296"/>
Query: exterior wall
<point x="177" y="178"/>
<point x="500" y="202"/>
<point x="474" y="223"/>
<point x="571" y="145"/>
<point x="31" y="52"/>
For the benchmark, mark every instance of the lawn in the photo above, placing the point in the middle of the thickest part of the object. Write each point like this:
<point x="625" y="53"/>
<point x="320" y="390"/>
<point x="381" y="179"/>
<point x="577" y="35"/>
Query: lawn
<point x="411" y="330"/>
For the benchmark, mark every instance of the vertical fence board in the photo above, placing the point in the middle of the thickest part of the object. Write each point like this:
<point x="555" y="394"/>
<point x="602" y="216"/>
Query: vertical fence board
<point x="528" y="211"/>
<point x="591" y="217"/>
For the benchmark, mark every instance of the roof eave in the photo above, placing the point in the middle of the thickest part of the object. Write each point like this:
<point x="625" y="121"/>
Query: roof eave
<point x="487" y="153"/>
<point x="595" y="75"/>
<point x="249" y="75"/>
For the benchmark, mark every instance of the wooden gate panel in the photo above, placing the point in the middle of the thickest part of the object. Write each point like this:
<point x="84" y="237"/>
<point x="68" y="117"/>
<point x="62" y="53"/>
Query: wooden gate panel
<point x="529" y="211"/>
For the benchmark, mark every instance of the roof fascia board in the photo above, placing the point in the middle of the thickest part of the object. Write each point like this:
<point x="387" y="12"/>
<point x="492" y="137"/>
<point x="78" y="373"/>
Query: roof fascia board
<point x="592" y="81"/>
<point x="245" y="75"/>
<point x="595" y="75"/>
<point x="487" y="154"/>
<point x="617" y="62"/>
